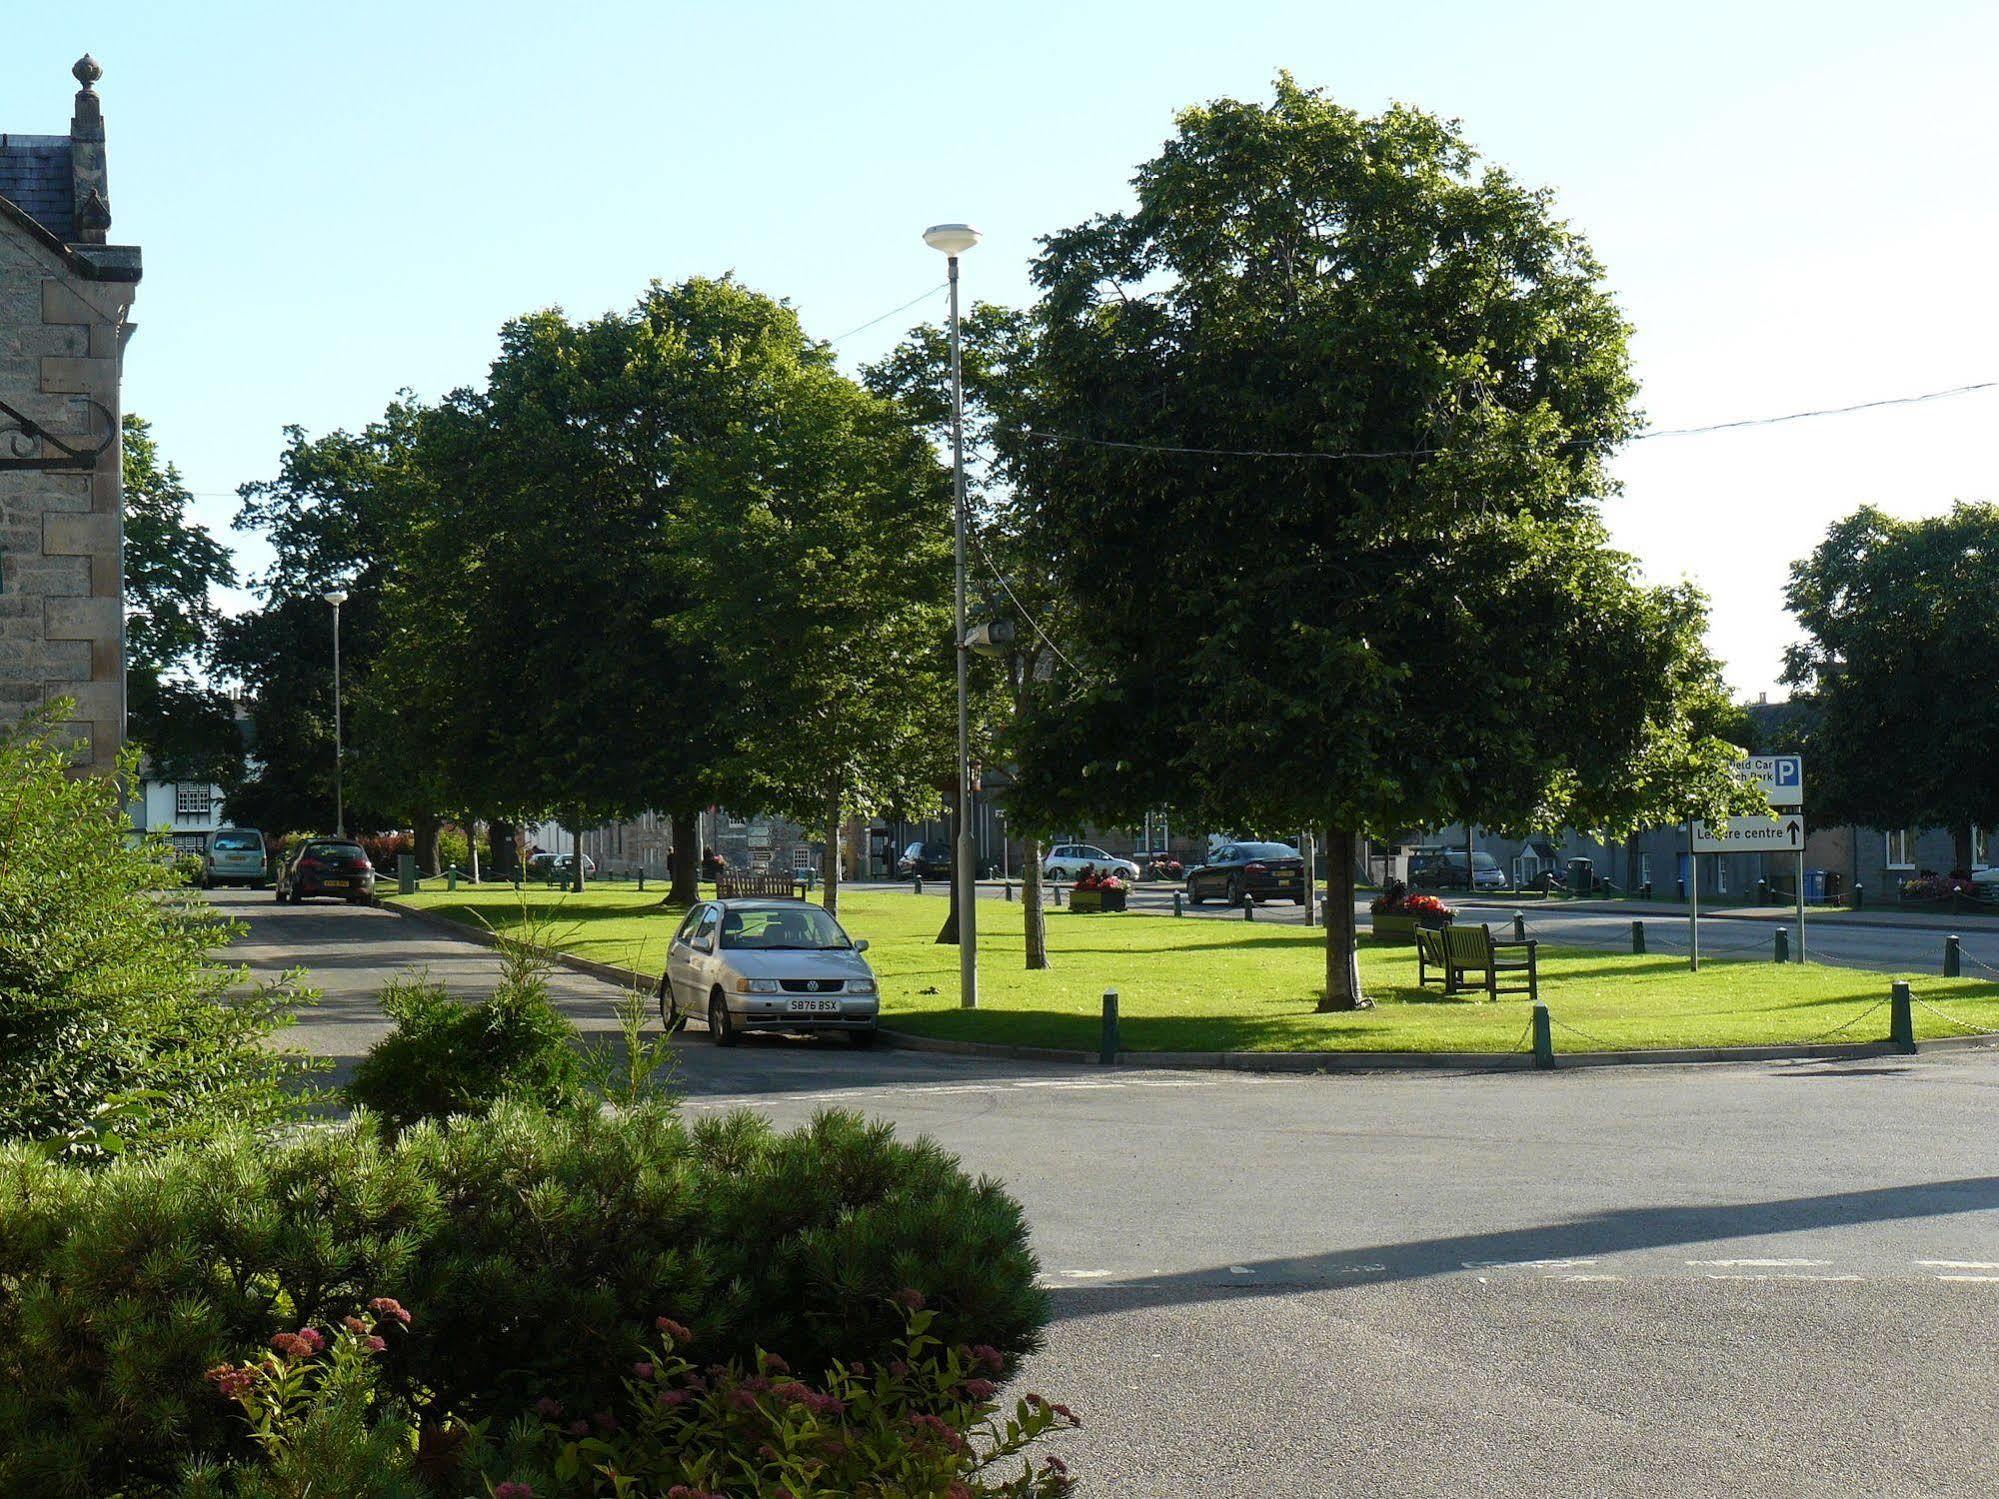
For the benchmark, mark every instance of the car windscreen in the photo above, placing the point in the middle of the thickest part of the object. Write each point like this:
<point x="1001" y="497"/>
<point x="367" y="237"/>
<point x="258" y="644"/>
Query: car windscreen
<point x="236" y="843"/>
<point x="1484" y="861"/>
<point x="1268" y="851"/>
<point x="795" y="928"/>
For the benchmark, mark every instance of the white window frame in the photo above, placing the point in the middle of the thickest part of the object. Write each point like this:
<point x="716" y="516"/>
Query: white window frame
<point x="193" y="801"/>
<point x="1980" y="848"/>
<point x="1907" y="838"/>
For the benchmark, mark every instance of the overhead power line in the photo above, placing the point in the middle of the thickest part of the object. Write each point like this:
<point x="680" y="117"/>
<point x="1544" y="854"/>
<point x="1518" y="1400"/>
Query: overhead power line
<point x="1353" y="455"/>
<point x="920" y="296"/>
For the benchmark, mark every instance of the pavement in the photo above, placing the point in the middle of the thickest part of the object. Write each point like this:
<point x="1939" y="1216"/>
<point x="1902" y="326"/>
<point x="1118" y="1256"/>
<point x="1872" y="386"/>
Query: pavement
<point x="1780" y="1279"/>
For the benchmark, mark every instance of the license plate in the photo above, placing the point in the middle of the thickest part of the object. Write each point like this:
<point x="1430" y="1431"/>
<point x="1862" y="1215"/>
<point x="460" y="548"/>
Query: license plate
<point x="814" y="1007"/>
<point x="334" y="884"/>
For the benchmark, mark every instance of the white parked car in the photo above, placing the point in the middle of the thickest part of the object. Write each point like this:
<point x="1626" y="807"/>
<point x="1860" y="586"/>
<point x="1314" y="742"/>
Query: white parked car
<point x="767" y="965"/>
<point x="1067" y="860"/>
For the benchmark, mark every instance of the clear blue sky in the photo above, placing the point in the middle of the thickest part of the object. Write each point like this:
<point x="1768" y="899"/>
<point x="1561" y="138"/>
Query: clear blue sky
<point x="1795" y="201"/>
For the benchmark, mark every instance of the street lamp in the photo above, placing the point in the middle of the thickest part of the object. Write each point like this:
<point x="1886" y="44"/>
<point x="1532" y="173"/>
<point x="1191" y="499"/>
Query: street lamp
<point x="336" y="597"/>
<point x="952" y="240"/>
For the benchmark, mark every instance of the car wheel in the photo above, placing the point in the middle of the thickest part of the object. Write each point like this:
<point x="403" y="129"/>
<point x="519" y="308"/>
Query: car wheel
<point x="1194" y="896"/>
<point x="669" y="1008"/>
<point x="863" y="1039"/>
<point x="720" y="1031"/>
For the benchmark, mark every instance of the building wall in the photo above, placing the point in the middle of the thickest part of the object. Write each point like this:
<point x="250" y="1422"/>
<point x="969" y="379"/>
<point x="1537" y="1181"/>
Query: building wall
<point x="61" y="534"/>
<point x="188" y="819"/>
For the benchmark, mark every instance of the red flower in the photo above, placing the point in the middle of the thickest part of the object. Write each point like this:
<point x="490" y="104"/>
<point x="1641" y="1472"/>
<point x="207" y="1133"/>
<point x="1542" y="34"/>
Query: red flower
<point x="291" y="1345"/>
<point x="980" y="1389"/>
<point x="512" y="1490"/>
<point x="388" y="1306"/>
<point x="670" y="1398"/>
<point x="673" y="1330"/>
<point x="376" y="1343"/>
<point x="910" y="1297"/>
<point x="641" y="1370"/>
<point x="988" y="1355"/>
<point x="548" y="1408"/>
<point x="230" y="1380"/>
<point x="579" y="1428"/>
<point x="775" y="1364"/>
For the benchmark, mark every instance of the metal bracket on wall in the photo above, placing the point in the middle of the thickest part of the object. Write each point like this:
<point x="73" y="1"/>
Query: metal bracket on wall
<point x="25" y="443"/>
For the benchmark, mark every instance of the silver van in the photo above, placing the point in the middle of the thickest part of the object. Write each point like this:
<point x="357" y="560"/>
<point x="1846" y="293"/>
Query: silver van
<point x="235" y="856"/>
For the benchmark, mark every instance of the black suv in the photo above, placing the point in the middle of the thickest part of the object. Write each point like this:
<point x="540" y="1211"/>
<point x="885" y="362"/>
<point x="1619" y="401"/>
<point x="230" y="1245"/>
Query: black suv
<point x="931" y="860"/>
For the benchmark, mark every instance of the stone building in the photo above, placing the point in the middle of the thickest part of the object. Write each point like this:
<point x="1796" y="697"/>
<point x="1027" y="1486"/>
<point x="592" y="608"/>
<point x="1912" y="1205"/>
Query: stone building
<point x="65" y="296"/>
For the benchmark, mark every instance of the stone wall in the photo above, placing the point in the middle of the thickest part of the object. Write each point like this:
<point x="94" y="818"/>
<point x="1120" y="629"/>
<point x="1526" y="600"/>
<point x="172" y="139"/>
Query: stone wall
<point x="62" y="338"/>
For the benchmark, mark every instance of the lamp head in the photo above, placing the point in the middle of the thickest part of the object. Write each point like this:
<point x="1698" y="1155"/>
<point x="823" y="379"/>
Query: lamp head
<point x="336" y="597"/>
<point x="952" y="239"/>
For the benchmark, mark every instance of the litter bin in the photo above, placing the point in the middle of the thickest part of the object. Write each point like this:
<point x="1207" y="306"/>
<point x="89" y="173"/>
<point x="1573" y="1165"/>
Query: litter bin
<point x="1582" y="876"/>
<point x="1815" y="887"/>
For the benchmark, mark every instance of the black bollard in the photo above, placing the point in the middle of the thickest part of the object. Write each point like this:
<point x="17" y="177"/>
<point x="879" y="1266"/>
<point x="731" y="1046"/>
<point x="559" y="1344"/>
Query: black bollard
<point x="1107" y="1044"/>
<point x="1638" y="937"/>
<point x="1901" y="1022"/>
<point x="1176" y="902"/>
<point x="1953" y="958"/>
<point x="1519" y="927"/>
<point x="1780" y="948"/>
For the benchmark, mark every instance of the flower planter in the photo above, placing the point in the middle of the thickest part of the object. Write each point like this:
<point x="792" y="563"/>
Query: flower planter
<point x="1083" y="902"/>
<point x="1395" y="927"/>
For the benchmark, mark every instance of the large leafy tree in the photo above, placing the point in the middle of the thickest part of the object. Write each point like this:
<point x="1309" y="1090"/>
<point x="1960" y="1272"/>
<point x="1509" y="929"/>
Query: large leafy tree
<point x="329" y="516"/>
<point x="1896" y="668"/>
<point x="1426" y="627"/>
<point x="1009" y="579"/>
<point x="185" y="727"/>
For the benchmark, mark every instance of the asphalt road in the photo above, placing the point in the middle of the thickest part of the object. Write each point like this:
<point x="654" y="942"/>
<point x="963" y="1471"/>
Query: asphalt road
<point x="1827" y="940"/>
<point x="1770" y="1279"/>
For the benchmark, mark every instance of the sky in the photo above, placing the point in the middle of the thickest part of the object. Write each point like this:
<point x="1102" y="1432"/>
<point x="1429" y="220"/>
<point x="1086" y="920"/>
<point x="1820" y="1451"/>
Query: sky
<point x="1794" y="202"/>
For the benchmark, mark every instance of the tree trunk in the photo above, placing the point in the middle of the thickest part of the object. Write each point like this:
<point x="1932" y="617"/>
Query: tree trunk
<point x="576" y="834"/>
<point x="1033" y="917"/>
<point x="472" y="845"/>
<point x="830" y="860"/>
<point x="686" y="889"/>
<point x="429" y="830"/>
<point x="1343" y="990"/>
<point x="1960" y="849"/>
<point x="504" y="846"/>
<point x="947" y="935"/>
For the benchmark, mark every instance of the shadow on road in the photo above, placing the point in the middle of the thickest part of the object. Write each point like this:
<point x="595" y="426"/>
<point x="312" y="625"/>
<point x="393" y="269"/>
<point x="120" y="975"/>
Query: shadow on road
<point x="1612" y="1232"/>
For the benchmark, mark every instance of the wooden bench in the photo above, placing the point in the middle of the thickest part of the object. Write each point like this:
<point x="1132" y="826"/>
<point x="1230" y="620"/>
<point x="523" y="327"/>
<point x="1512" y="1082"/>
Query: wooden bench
<point x="758" y="886"/>
<point x="1470" y="957"/>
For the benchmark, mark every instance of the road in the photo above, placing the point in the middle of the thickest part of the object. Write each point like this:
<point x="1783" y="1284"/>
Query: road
<point x="1778" y="1279"/>
<point x="1828" y="940"/>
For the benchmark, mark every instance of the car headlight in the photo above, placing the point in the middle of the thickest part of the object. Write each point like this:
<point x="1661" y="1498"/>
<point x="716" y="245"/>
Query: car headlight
<point x="860" y="986"/>
<point x="756" y="986"/>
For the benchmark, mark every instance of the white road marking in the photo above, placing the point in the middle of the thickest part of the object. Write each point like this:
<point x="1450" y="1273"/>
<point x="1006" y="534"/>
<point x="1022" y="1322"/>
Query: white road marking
<point x="1959" y="1264"/>
<point x="1087" y="1274"/>
<point x="1756" y="1264"/>
<point x="1554" y="1264"/>
<point x="1618" y="1278"/>
<point x="1780" y="1275"/>
<point x="1240" y="1270"/>
<point x="1983" y="1279"/>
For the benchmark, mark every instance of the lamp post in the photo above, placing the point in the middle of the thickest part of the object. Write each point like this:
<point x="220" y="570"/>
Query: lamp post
<point x="952" y="240"/>
<point x="336" y="598"/>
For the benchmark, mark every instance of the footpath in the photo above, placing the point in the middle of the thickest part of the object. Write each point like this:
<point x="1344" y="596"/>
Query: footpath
<point x="1908" y="921"/>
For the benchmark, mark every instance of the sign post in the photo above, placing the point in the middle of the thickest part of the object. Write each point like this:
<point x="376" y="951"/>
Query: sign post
<point x="1693" y="901"/>
<point x="1781" y="779"/>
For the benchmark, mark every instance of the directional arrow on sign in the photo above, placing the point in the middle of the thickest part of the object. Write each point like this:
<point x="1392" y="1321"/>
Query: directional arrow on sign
<point x="1750" y="835"/>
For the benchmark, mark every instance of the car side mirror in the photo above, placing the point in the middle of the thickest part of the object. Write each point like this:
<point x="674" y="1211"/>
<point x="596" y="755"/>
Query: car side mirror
<point x="862" y="945"/>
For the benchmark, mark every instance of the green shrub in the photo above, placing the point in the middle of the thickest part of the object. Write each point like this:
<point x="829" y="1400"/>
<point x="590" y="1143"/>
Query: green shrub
<point x="527" y="1245"/>
<point x="112" y="998"/>
<point x="446" y="1056"/>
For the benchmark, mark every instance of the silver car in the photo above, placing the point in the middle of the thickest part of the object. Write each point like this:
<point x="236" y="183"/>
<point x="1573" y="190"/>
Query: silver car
<point x="767" y="965"/>
<point x="235" y="855"/>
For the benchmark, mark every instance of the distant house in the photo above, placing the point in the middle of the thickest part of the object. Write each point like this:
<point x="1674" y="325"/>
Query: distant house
<point x="188" y="811"/>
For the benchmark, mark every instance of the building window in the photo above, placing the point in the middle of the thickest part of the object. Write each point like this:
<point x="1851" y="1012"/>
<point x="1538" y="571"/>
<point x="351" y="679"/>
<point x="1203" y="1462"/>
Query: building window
<point x="1901" y="848"/>
<point x="1644" y="869"/>
<point x="193" y="801"/>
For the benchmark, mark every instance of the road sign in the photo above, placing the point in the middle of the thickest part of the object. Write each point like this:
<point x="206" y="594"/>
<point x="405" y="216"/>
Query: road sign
<point x="1751" y="835"/>
<point x="1781" y="777"/>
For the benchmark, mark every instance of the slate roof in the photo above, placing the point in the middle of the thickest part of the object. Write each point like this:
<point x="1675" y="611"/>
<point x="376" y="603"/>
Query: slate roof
<point x="35" y="178"/>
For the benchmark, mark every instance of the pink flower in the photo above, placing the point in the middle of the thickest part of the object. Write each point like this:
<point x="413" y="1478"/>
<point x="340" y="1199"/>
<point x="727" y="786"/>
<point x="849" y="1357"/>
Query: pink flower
<point x="230" y="1380"/>
<point x="670" y="1398"/>
<point x="897" y="1367"/>
<point x="1056" y="1464"/>
<point x="548" y="1407"/>
<point x="512" y="1490"/>
<point x="578" y="1428"/>
<point x="988" y="1355"/>
<point x="980" y="1389"/>
<point x="641" y="1370"/>
<point x="742" y="1400"/>
<point x="388" y="1306"/>
<point x="354" y="1325"/>
<point x="856" y="1367"/>
<point x="775" y="1364"/>
<point x="312" y="1337"/>
<point x="291" y="1345"/>
<point x="376" y="1343"/>
<point x="910" y="1297"/>
<point x="673" y="1330"/>
<point x="606" y="1422"/>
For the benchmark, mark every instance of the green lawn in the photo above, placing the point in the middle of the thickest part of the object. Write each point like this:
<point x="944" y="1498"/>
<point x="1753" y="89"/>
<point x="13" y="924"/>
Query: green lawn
<point x="1221" y="985"/>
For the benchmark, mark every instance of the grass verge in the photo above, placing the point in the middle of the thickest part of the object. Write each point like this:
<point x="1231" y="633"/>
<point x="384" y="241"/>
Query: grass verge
<point x="1219" y="985"/>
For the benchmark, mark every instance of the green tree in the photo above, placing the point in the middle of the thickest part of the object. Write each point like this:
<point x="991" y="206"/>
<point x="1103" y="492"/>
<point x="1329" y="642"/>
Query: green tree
<point x="114" y="1008"/>
<point x="172" y="567"/>
<point x="1896" y="670"/>
<point x="1009" y="579"/>
<point x="1428" y="628"/>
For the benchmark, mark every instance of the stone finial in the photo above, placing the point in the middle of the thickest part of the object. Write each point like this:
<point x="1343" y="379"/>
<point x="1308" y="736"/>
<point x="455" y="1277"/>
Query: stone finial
<point x="87" y="71"/>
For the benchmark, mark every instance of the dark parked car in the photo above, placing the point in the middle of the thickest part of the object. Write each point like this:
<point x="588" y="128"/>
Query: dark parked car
<point x="1261" y="871"/>
<point x="931" y="860"/>
<point x="334" y="867"/>
<point x="1444" y="869"/>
